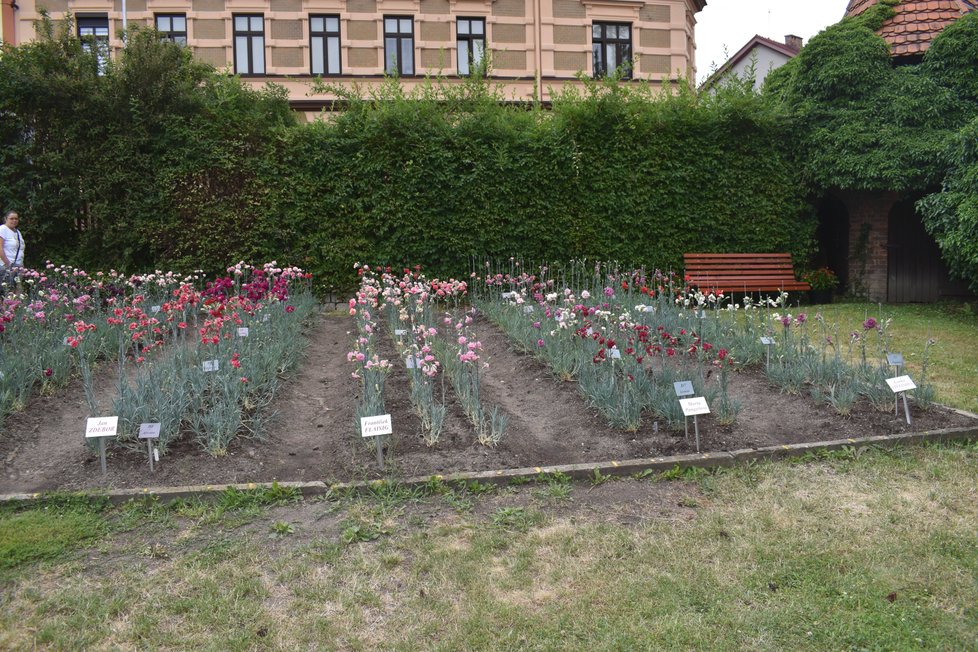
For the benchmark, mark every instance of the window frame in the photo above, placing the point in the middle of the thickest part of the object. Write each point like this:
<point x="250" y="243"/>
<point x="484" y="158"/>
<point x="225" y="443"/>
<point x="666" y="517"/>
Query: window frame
<point x="171" y="34"/>
<point x="99" y="41"/>
<point x="326" y="35"/>
<point x="469" y="38"/>
<point x="600" y="72"/>
<point x="250" y="35"/>
<point x="400" y="37"/>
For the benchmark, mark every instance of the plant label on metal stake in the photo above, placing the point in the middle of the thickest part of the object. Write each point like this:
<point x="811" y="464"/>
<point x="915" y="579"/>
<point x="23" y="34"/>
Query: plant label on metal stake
<point x="767" y="342"/>
<point x="901" y="385"/>
<point x="895" y="360"/>
<point x="414" y="362"/>
<point x="527" y="309"/>
<point x="615" y="353"/>
<point x="211" y="365"/>
<point x="376" y="427"/>
<point x="243" y="331"/>
<point x="683" y="388"/>
<point x="156" y="309"/>
<point x="265" y="318"/>
<point x="100" y="428"/>
<point x="149" y="432"/>
<point x="399" y="332"/>
<point x="693" y="407"/>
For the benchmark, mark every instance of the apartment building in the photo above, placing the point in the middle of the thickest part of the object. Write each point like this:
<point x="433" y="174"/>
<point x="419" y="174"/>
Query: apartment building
<point x="530" y="44"/>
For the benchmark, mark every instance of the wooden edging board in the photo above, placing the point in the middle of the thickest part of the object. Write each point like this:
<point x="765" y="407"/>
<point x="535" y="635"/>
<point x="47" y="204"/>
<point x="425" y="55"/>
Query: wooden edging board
<point x="579" y="471"/>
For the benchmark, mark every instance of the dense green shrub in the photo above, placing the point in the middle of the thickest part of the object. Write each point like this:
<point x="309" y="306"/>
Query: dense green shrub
<point x="613" y="173"/>
<point x="162" y="162"/>
<point x="951" y="216"/>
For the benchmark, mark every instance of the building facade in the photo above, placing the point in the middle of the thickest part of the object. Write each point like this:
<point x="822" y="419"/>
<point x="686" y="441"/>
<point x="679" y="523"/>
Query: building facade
<point x="758" y="57"/>
<point x="529" y="44"/>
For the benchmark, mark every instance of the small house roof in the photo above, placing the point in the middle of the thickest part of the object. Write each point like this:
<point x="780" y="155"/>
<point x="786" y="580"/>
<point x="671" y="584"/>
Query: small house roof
<point x="916" y="23"/>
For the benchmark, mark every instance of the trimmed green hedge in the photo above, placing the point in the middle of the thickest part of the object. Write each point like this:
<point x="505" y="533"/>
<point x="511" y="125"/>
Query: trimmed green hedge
<point x="612" y="174"/>
<point x="161" y="162"/>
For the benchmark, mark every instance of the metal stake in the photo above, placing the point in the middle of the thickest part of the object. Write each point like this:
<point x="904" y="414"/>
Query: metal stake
<point x="896" y="397"/>
<point x="380" y="453"/>
<point x="696" y="427"/>
<point x="906" y="408"/>
<point x="149" y="449"/>
<point x="101" y="453"/>
<point x="686" y="424"/>
<point x="768" y="350"/>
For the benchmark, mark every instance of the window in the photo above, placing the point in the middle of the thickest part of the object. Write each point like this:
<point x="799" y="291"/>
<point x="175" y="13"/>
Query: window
<point x="324" y="44"/>
<point x="399" y="45"/>
<point x="94" y="33"/>
<point x="249" y="44"/>
<point x="471" y="43"/>
<point x="172" y="27"/>
<point x="612" y="47"/>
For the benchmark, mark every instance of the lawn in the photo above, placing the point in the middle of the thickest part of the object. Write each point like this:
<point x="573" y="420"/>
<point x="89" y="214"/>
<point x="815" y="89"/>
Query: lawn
<point x="859" y="549"/>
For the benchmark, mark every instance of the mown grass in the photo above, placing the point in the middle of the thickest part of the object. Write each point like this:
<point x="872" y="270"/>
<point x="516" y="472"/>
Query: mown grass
<point x="861" y="549"/>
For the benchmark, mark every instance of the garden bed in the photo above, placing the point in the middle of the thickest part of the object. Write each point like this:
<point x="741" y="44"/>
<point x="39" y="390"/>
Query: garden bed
<point x="314" y="435"/>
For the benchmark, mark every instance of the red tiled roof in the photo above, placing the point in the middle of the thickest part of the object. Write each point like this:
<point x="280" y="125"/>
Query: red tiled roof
<point x="916" y="23"/>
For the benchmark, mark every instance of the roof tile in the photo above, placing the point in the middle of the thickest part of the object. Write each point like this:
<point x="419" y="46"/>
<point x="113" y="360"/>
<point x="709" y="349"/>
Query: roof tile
<point x="916" y="23"/>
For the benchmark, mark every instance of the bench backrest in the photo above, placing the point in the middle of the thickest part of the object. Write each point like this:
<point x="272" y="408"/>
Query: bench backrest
<point x="742" y="272"/>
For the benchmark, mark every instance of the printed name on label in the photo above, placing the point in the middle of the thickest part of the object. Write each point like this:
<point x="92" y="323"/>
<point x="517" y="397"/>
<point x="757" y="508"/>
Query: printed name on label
<point x="900" y="384"/>
<point x="694" y="406"/>
<point x="375" y="426"/>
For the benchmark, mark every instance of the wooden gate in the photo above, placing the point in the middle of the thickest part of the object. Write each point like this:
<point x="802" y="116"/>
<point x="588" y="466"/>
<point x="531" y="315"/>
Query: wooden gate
<point x="915" y="271"/>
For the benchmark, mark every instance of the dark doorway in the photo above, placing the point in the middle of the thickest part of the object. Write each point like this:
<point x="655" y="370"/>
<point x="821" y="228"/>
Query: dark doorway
<point x="915" y="271"/>
<point x="833" y="239"/>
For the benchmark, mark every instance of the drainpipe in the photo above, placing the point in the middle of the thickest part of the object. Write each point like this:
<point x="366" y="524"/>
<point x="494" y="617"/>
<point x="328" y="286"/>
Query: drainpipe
<point x="537" y="48"/>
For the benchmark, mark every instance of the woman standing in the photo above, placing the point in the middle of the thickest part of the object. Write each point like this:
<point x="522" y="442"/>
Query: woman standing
<point x="11" y="245"/>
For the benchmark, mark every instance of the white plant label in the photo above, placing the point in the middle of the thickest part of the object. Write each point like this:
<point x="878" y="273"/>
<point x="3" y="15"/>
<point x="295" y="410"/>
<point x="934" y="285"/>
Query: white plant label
<point x="767" y="341"/>
<point x="156" y="454"/>
<point x="414" y="363"/>
<point x="683" y="388"/>
<point x="508" y="295"/>
<point x="615" y="353"/>
<point x="156" y="309"/>
<point x="900" y="384"/>
<point x="399" y="332"/>
<point x="101" y="427"/>
<point x="149" y="431"/>
<point x="376" y="426"/>
<point x="702" y="314"/>
<point x="694" y="406"/>
<point x="527" y="309"/>
<point x="243" y="331"/>
<point x="894" y="359"/>
<point x="590" y="331"/>
<point x="211" y="365"/>
<point x="265" y="318"/>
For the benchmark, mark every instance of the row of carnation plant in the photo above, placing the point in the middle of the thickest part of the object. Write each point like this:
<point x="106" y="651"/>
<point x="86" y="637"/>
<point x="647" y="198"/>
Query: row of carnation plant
<point x="626" y="335"/>
<point x="160" y="329"/>
<point x="432" y="349"/>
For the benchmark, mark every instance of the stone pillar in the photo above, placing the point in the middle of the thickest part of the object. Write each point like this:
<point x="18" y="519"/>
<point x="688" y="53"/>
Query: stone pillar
<point x="869" y="220"/>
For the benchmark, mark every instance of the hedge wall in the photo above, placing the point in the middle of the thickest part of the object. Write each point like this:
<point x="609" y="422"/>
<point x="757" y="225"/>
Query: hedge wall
<point x="613" y="174"/>
<point x="163" y="163"/>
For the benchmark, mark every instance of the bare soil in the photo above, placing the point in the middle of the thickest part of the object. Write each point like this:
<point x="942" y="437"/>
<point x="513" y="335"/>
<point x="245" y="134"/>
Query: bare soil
<point x="314" y="436"/>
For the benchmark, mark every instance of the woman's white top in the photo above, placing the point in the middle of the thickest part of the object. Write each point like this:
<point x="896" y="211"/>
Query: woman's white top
<point x="13" y="245"/>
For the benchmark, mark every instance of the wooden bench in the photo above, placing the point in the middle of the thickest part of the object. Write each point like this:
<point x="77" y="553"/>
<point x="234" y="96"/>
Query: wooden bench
<point x="742" y="273"/>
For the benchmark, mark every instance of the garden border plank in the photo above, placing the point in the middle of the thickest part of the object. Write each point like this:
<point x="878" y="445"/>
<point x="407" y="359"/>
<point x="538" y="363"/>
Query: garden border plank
<point x="578" y="471"/>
